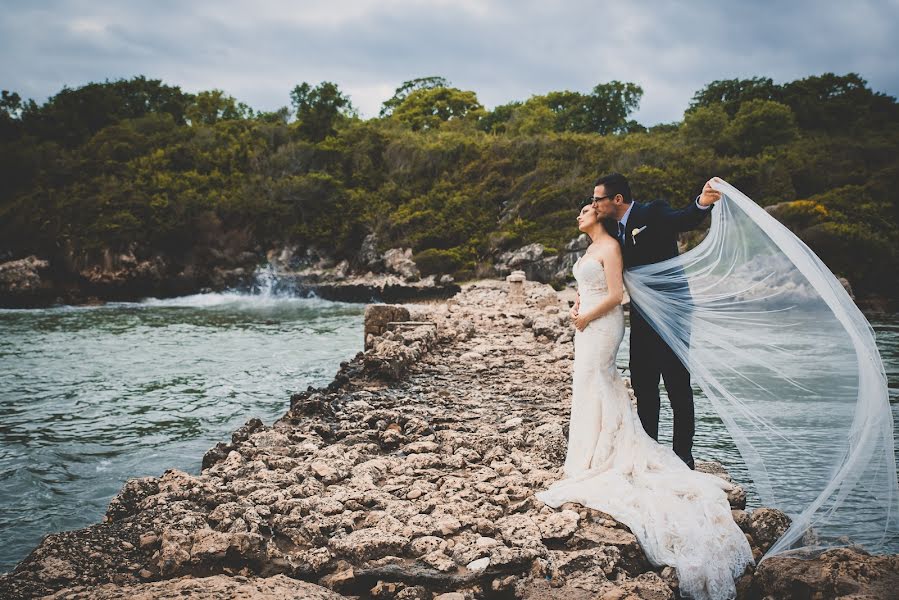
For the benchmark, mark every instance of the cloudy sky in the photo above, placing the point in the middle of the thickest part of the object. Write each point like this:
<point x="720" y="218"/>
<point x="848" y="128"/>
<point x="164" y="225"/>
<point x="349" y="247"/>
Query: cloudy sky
<point x="505" y="50"/>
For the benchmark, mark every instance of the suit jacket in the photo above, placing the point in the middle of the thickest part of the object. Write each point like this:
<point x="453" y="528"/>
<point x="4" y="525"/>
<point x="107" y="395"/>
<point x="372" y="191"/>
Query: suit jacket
<point x="660" y="225"/>
<point x="656" y="242"/>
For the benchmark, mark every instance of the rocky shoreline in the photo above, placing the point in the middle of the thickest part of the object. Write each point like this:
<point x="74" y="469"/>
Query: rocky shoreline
<point x="33" y="282"/>
<point x="410" y="476"/>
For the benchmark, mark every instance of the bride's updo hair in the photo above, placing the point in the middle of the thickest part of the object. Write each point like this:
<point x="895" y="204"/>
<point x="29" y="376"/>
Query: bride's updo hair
<point x="615" y="183"/>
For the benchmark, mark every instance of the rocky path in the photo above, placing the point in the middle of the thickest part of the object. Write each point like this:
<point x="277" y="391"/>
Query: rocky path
<point x="411" y="476"/>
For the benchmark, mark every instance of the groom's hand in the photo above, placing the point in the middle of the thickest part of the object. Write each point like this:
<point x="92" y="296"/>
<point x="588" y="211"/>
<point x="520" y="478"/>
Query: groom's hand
<point x="709" y="195"/>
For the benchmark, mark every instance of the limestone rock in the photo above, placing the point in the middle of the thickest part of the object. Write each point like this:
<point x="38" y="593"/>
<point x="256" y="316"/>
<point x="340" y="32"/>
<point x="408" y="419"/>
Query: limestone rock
<point x="368" y="544"/>
<point x="399" y="261"/>
<point x="766" y="526"/>
<point x="836" y="573"/>
<point x="278" y="587"/>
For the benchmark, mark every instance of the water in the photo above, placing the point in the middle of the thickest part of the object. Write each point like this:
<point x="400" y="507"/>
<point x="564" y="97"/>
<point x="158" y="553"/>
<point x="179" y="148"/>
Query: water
<point x="813" y="417"/>
<point x="90" y="396"/>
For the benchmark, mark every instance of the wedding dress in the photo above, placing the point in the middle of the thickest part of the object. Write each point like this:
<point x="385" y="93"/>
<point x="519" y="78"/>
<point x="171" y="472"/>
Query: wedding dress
<point x="681" y="517"/>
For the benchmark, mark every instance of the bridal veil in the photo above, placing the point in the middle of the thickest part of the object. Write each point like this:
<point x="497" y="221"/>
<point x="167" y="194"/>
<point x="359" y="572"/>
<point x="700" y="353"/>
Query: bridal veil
<point x="791" y="367"/>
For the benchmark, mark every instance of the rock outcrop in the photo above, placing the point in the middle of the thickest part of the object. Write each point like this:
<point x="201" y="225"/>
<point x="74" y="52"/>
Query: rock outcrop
<point x="392" y="276"/>
<point x="838" y="573"/>
<point x="412" y="475"/>
<point x="540" y="264"/>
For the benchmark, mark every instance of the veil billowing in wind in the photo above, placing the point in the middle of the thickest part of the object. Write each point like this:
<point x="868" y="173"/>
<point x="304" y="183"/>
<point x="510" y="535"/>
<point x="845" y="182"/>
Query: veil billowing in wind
<point x="791" y="367"/>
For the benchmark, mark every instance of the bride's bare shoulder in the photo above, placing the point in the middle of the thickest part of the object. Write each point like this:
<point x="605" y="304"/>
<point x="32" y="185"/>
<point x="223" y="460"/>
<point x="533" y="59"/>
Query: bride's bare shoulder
<point x="609" y="247"/>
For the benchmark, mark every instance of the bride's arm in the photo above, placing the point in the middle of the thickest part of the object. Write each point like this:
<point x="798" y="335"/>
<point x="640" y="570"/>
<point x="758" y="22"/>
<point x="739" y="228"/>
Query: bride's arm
<point x="613" y="265"/>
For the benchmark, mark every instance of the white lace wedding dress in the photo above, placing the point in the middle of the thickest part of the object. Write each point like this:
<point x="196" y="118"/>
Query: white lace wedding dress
<point x="681" y="517"/>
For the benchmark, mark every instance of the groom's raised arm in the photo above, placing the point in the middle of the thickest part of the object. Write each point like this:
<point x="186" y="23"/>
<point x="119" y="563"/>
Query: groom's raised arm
<point x="690" y="216"/>
<point x="680" y="219"/>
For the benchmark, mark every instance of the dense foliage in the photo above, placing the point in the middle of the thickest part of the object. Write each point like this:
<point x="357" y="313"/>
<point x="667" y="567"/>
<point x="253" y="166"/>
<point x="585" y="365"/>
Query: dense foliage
<point x="140" y="165"/>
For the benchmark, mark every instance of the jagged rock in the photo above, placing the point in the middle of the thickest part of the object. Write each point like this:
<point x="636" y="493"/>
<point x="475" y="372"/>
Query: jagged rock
<point x="378" y="315"/>
<point x="547" y="327"/>
<point x="646" y="586"/>
<point x="520" y="530"/>
<point x="518" y="258"/>
<point x="599" y="531"/>
<point x="836" y="573"/>
<point x="558" y="525"/>
<point x="438" y="560"/>
<point x="278" y="587"/>
<point x="367" y="544"/>
<point x="766" y="526"/>
<point x="128" y="501"/>
<point x="22" y="276"/>
<point x="369" y="257"/>
<point x="549" y="441"/>
<point x="537" y="266"/>
<point x="399" y="261"/>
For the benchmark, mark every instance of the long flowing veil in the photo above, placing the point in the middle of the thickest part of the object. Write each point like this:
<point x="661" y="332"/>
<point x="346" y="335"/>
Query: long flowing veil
<point x="790" y="365"/>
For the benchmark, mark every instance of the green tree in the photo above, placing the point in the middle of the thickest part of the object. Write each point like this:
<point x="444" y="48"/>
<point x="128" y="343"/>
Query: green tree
<point x="730" y="94"/>
<point x="319" y="108"/>
<point x="605" y="110"/>
<point x="73" y="115"/>
<point x="402" y="92"/>
<point x="213" y="106"/>
<point x="705" y="126"/>
<point x="760" y="124"/>
<point x="427" y="108"/>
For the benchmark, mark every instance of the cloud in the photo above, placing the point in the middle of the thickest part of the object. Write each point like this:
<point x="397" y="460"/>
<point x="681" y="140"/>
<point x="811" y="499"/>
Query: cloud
<point x="257" y="51"/>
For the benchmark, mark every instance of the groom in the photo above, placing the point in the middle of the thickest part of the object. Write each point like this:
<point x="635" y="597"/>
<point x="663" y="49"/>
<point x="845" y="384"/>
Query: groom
<point x="647" y="233"/>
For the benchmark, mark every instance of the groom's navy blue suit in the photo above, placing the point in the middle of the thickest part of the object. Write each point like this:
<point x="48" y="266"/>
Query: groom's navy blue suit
<point x="651" y="358"/>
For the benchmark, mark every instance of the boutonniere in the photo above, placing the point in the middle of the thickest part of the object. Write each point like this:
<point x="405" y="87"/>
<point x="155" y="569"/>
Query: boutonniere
<point x="634" y="233"/>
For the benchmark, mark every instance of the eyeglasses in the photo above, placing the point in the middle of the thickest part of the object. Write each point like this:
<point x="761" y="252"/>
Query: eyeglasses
<point x="592" y="199"/>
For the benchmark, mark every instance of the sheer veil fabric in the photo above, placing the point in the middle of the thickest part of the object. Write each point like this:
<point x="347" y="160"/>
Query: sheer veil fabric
<point x="790" y="365"/>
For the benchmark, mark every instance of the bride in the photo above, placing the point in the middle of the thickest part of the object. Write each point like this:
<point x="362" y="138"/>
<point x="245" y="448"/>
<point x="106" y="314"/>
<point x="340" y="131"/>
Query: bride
<point x="681" y="517"/>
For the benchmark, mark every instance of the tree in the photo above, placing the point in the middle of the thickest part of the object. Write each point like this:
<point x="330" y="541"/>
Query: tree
<point x="74" y="115"/>
<point x="427" y="108"/>
<point x="402" y="92"/>
<point x="319" y="108"/>
<point x="760" y="124"/>
<point x="213" y="106"/>
<point x="603" y="111"/>
<point x="495" y="120"/>
<point x="10" y="112"/>
<point x="832" y="102"/>
<point x="705" y="125"/>
<point x="820" y="102"/>
<point x="282" y="115"/>
<point x="730" y="94"/>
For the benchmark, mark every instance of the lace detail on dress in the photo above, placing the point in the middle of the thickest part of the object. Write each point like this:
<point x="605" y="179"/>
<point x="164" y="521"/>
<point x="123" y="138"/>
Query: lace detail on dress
<point x="590" y="275"/>
<point x="681" y="517"/>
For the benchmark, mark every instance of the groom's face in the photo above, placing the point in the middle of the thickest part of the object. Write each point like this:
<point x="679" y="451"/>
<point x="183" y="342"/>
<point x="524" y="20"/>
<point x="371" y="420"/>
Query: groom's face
<point x="605" y="207"/>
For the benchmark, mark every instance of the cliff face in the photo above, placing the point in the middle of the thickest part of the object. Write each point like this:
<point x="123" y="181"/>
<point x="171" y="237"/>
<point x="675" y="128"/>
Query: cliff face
<point x="34" y="281"/>
<point x="410" y="476"/>
<point x="391" y="276"/>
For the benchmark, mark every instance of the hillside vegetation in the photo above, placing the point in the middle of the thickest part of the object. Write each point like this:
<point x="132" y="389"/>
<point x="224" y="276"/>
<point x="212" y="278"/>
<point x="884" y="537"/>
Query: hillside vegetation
<point x="140" y="166"/>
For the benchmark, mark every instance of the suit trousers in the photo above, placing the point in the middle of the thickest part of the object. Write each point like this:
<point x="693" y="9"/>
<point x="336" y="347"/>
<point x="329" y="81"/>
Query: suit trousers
<point x="651" y="358"/>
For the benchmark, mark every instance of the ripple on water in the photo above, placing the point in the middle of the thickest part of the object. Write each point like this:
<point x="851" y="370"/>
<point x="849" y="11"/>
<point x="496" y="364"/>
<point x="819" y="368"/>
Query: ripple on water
<point x="90" y="396"/>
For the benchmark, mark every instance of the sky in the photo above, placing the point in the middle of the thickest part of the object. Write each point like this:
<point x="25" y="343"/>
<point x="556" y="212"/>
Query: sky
<point x="506" y="50"/>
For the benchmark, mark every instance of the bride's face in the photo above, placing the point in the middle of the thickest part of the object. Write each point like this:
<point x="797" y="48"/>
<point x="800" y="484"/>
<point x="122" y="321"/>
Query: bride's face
<point x="586" y="217"/>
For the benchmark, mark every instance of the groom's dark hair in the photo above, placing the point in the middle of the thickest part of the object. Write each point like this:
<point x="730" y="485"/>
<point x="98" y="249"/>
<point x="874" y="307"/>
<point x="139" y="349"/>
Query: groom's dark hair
<point x="615" y="183"/>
